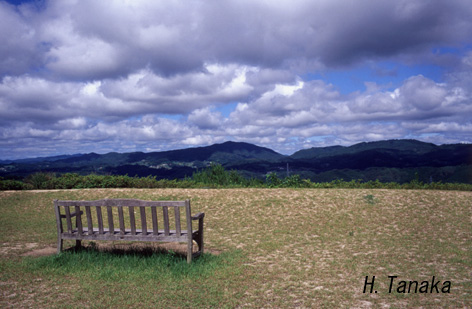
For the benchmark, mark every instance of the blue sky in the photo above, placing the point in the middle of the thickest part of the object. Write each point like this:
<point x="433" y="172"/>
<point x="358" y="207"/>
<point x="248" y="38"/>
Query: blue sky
<point x="389" y="74"/>
<point x="94" y="76"/>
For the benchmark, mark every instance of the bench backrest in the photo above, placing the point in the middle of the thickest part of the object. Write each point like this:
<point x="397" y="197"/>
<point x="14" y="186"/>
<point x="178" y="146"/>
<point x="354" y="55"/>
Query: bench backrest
<point x="94" y="214"/>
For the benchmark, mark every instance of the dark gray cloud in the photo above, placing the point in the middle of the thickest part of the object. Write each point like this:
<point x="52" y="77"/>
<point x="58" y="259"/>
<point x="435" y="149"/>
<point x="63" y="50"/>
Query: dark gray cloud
<point x="20" y="50"/>
<point x="387" y="28"/>
<point x="93" y="40"/>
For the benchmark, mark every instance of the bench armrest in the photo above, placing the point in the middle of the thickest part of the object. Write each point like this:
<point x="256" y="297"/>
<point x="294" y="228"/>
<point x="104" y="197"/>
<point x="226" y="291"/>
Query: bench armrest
<point x="198" y="216"/>
<point x="74" y="214"/>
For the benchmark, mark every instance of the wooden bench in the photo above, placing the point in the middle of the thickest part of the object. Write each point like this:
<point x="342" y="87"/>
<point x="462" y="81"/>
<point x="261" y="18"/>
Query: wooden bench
<point x="92" y="226"/>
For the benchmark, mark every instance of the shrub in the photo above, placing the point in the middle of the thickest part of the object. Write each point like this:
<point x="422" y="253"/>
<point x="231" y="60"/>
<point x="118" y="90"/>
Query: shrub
<point x="216" y="175"/>
<point x="41" y="180"/>
<point x="12" y="185"/>
<point x="272" y="181"/>
<point x="68" y="181"/>
<point x="91" y="181"/>
<point x="293" y="181"/>
<point x="213" y="176"/>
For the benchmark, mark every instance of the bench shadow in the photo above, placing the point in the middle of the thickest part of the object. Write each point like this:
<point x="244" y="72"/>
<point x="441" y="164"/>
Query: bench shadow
<point x="136" y="249"/>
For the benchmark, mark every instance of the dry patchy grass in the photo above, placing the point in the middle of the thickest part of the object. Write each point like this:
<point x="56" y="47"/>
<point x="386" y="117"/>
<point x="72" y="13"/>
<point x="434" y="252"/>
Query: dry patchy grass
<point x="300" y="247"/>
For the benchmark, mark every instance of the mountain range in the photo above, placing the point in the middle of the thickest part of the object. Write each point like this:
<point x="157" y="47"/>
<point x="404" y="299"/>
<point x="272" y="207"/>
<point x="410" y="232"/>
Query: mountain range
<point x="391" y="160"/>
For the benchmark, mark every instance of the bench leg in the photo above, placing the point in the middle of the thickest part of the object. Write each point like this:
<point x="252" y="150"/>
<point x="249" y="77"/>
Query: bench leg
<point x="59" y="245"/>
<point x="200" y="245"/>
<point x="200" y="235"/>
<point x="189" y="250"/>
<point x="78" y="243"/>
<point x="199" y="241"/>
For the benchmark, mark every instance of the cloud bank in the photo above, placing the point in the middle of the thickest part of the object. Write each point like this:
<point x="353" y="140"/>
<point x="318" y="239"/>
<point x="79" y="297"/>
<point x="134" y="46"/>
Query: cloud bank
<point x="82" y="76"/>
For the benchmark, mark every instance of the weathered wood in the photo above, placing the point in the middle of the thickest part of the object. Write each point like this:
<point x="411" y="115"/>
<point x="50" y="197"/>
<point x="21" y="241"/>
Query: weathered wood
<point x="165" y="212"/>
<point x="100" y="220"/>
<point x="199" y="237"/>
<point x="199" y="234"/>
<point x="121" y="220"/>
<point x="89" y="232"/>
<point x="184" y="233"/>
<point x="111" y="225"/>
<point x="59" y="227"/>
<point x="142" y="211"/>
<point x="68" y="218"/>
<point x="155" y="229"/>
<point x="72" y="215"/>
<point x="189" y="228"/>
<point x="78" y="221"/>
<point x="117" y="202"/>
<point x="132" y="220"/>
<point x="88" y="213"/>
<point x="129" y="237"/>
<point x="177" y="220"/>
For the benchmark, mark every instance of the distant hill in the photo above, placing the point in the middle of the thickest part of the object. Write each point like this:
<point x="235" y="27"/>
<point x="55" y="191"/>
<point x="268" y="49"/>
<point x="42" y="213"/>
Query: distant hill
<point x="409" y="146"/>
<point x="40" y="159"/>
<point x="219" y="153"/>
<point x="391" y="160"/>
<point x="165" y="164"/>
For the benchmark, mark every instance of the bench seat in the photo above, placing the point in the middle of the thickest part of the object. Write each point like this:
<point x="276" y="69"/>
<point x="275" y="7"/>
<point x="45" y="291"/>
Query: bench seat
<point x="127" y="235"/>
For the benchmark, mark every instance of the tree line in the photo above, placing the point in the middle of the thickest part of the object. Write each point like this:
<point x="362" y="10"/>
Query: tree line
<point x="215" y="176"/>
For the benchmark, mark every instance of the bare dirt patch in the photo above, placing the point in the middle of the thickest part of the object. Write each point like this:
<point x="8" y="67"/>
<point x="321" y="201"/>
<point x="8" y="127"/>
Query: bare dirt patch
<point x="41" y="252"/>
<point x="7" y="249"/>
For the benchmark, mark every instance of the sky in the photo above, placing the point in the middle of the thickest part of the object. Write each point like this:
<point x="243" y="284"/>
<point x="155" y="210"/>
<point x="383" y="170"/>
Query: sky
<point x="81" y="76"/>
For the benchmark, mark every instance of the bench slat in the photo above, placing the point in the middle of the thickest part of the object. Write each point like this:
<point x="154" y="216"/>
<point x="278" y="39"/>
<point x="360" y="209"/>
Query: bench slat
<point x="132" y="220"/>
<point x="142" y="211"/>
<point x="155" y="230"/>
<point x="122" y="220"/>
<point x="100" y="220"/>
<point x="68" y="220"/>
<point x="177" y="220"/>
<point x="89" y="218"/>
<point x="79" y="221"/>
<point x="111" y="226"/>
<point x="166" y="220"/>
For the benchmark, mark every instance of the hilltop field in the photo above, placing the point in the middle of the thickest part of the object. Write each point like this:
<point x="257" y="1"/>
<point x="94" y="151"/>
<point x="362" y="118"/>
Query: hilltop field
<point x="265" y="248"/>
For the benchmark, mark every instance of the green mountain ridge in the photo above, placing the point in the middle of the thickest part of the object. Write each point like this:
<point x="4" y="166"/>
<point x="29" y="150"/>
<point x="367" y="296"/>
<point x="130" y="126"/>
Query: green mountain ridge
<point x="411" y="146"/>
<point x="390" y="160"/>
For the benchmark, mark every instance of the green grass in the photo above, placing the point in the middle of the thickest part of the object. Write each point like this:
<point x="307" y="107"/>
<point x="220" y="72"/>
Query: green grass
<point x="279" y="247"/>
<point x="153" y="279"/>
<point x="135" y="265"/>
<point x="369" y="199"/>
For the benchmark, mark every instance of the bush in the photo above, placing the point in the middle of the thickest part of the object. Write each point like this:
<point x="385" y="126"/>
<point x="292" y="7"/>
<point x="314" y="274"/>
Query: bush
<point x="216" y="176"/>
<point x="272" y="181"/>
<point x="12" y="185"/>
<point x="68" y="181"/>
<point x="41" y="180"/>
<point x="293" y="181"/>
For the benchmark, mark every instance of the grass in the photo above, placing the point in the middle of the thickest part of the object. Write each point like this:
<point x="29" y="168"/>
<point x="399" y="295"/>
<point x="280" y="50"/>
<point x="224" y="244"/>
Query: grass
<point x="280" y="248"/>
<point x="139" y="276"/>
<point x="369" y="199"/>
